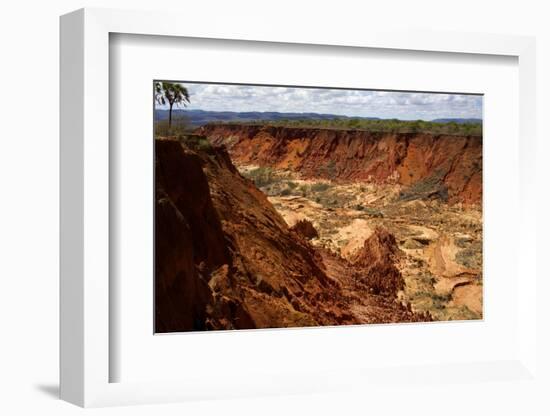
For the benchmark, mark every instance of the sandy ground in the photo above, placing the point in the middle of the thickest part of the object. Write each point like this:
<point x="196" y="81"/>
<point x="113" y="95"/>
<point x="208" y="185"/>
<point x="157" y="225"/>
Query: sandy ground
<point x="442" y="265"/>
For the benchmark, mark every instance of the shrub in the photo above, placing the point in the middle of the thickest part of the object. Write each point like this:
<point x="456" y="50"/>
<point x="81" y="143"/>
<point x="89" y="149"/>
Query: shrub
<point x="470" y="257"/>
<point x="319" y="187"/>
<point x="373" y="212"/>
<point x="285" y="192"/>
<point x="180" y="126"/>
<point x="432" y="187"/>
<point x="262" y="176"/>
<point x="196" y="142"/>
<point x="303" y="190"/>
<point x="437" y="301"/>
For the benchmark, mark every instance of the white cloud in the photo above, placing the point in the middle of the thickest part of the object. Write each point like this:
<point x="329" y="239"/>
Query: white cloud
<point x="366" y="103"/>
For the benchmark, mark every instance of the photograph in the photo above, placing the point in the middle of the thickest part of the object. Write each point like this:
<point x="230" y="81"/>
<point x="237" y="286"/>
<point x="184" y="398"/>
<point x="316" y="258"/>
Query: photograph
<point x="227" y="208"/>
<point x="308" y="206"/>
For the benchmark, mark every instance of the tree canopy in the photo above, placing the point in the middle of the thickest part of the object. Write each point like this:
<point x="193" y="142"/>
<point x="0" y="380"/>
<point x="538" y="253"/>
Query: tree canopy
<point x="171" y="93"/>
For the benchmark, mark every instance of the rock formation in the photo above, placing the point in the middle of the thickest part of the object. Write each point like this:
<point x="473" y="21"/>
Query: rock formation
<point x="306" y="229"/>
<point x="225" y="259"/>
<point x="428" y="166"/>
<point x="377" y="260"/>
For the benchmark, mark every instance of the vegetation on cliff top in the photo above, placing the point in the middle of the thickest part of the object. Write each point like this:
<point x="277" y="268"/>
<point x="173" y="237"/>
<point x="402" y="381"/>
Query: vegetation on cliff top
<point x="385" y="126"/>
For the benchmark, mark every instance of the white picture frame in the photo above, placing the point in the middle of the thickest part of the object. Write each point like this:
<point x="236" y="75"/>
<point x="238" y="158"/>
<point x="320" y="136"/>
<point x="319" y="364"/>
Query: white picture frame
<point x="85" y="266"/>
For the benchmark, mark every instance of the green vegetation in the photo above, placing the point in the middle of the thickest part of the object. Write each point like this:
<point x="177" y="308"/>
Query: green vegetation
<point x="429" y="188"/>
<point x="327" y="195"/>
<point x="370" y="211"/>
<point x="471" y="256"/>
<point x="383" y="126"/>
<point x="286" y="192"/>
<point x="430" y="301"/>
<point x="180" y="127"/>
<point x="319" y="187"/>
<point x="196" y="142"/>
<point x="262" y="176"/>
<point x="278" y="183"/>
<point x="292" y="185"/>
<point x="425" y="299"/>
<point x="171" y="93"/>
<point x="273" y="182"/>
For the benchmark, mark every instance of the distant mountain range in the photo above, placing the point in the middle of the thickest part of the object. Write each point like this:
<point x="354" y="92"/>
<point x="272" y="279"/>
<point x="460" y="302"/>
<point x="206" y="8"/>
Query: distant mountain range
<point x="458" y="120"/>
<point x="201" y="117"/>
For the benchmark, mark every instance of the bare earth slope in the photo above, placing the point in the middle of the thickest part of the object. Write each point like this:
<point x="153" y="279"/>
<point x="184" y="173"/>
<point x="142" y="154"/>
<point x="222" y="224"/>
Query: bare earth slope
<point x="447" y="165"/>
<point x="425" y="189"/>
<point x="226" y="259"/>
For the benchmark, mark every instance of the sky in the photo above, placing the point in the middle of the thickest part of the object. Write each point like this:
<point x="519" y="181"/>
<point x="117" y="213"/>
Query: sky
<point x="353" y="103"/>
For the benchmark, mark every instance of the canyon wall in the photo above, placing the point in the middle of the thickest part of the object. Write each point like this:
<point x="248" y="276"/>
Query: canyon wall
<point x="225" y="259"/>
<point x="444" y="166"/>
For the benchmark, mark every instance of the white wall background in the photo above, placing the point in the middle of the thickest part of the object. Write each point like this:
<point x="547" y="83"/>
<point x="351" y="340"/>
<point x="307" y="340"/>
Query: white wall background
<point x="29" y="56"/>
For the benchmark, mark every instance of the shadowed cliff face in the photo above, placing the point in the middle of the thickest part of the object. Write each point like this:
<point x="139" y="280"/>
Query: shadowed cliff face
<point x="225" y="259"/>
<point x="442" y="166"/>
<point x="189" y="241"/>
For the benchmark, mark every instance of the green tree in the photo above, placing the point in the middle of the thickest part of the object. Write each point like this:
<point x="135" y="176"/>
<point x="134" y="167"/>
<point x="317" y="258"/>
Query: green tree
<point x="171" y="93"/>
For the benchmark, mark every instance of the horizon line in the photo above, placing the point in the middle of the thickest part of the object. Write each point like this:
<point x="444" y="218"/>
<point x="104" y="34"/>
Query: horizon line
<point x="317" y="113"/>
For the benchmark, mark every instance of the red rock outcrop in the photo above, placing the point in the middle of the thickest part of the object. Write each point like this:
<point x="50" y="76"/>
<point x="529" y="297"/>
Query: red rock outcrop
<point x="306" y="229"/>
<point x="377" y="260"/>
<point x="225" y="259"/>
<point x="453" y="163"/>
<point x="189" y="241"/>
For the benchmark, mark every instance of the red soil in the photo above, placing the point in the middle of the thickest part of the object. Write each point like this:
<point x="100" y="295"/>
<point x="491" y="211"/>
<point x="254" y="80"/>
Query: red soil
<point x="225" y="259"/>
<point x="352" y="155"/>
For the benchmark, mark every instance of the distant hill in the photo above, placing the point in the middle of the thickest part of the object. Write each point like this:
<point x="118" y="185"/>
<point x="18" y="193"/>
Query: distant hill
<point x="458" y="120"/>
<point x="202" y="117"/>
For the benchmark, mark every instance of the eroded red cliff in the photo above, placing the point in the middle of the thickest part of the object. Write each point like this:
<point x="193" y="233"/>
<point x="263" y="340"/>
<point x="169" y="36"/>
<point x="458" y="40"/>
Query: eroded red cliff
<point x="447" y="166"/>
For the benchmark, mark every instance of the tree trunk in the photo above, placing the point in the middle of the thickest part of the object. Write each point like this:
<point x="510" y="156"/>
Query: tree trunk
<point x="170" y="117"/>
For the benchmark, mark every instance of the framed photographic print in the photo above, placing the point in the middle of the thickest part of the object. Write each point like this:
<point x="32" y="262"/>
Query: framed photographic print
<point x="286" y="222"/>
<point x="283" y="206"/>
